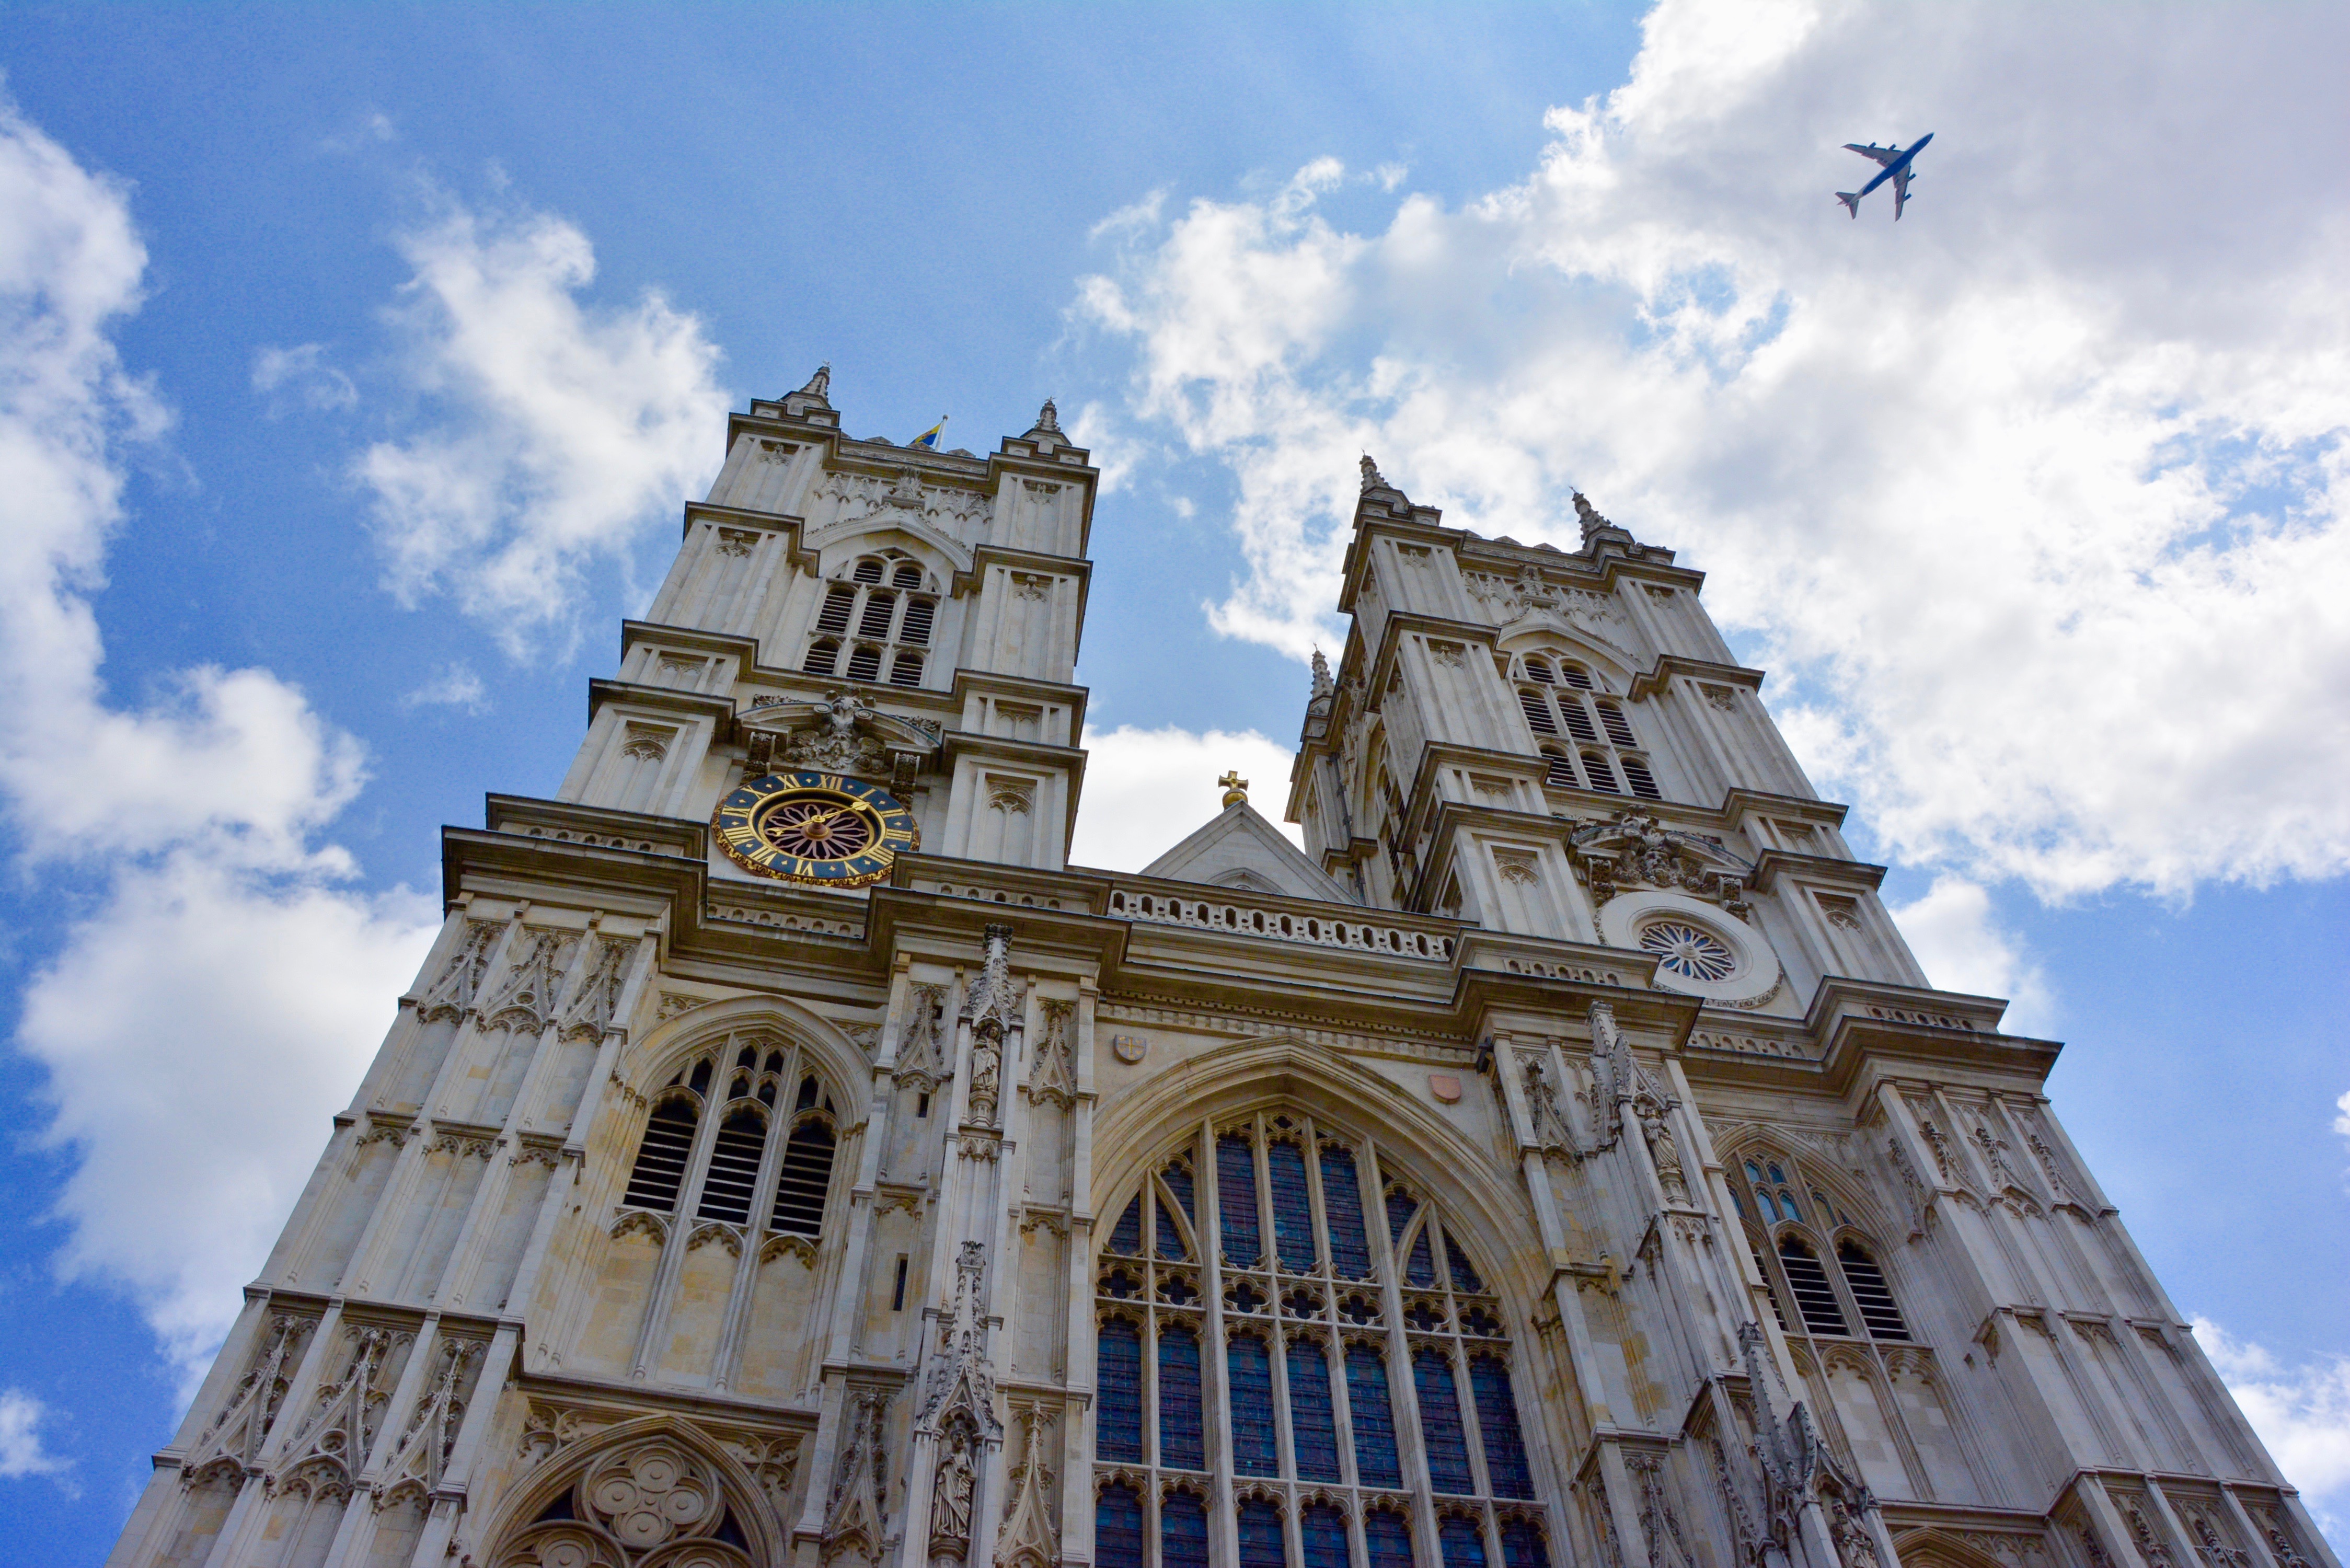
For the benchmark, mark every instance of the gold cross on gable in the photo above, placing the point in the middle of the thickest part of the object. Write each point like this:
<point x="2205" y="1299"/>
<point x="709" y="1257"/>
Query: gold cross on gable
<point x="1235" y="788"/>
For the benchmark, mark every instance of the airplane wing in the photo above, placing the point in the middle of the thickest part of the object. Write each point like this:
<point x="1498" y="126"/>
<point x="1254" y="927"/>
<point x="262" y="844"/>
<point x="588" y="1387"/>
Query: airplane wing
<point x="1880" y="154"/>
<point x="1900" y="194"/>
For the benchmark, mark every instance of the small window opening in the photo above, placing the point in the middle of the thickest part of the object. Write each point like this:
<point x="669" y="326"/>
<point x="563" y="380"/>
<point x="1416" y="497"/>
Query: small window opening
<point x="1618" y="730"/>
<point x="1576" y="676"/>
<point x="700" y="1083"/>
<point x="1870" y="1294"/>
<point x="868" y="570"/>
<point x="1603" y="777"/>
<point x="1644" y="782"/>
<point x="875" y="622"/>
<point x="807" y="1092"/>
<point x="906" y="670"/>
<point x="865" y="663"/>
<point x="1814" y="1298"/>
<point x="922" y="1104"/>
<point x="839" y="600"/>
<point x="1561" y="773"/>
<point x="919" y="615"/>
<point x="1578" y="722"/>
<point x="897" y="1293"/>
<point x="1538" y="669"/>
<point x="1538" y="714"/>
<point x="823" y="655"/>
<point x="907" y="575"/>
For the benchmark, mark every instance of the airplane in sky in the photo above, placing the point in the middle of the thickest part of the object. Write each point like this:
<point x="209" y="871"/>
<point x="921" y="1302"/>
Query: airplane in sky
<point x="1896" y="169"/>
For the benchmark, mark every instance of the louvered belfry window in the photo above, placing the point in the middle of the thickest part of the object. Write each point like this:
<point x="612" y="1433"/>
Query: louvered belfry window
<point x="754" y="1169"/>
<point x="1348" y="1307"/>
<point x="1848" y="1297"/>
<point x="876" y="624"/>
<point x="1562" y="699"/>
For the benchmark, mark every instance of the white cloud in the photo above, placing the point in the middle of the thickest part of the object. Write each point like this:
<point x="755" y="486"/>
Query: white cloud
<point x="221" y="979"/>
<point x="300" y="377"/>
<point x="558" y="434"/>
<point x="1145" y="790"/>
<point x="22" y="1450"/>
<point x="1957" y="941"/>
<point x="451" y="686"/>
<point x="2033" y="502"/>
<point x="2302" y="1414"/>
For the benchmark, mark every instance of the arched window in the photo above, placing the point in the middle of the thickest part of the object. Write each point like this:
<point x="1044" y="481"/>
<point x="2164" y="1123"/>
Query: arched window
<point x="888" y="606"/>
<point x="685" y="1165"/>
<point x="1292" y="1227"/>
<point x="1570" y="705"/>
<point x="1779" y="1229"/>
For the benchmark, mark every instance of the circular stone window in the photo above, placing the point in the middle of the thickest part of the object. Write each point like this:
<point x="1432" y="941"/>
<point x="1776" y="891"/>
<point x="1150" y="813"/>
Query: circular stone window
<point x="1690" y="951"/>
<point x="1700" y="949"/>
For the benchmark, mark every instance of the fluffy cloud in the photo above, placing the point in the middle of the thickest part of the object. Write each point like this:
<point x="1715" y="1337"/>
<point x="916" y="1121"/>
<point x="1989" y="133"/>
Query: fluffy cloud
<point x="22" y="1450"/>
<point x="2302" y="1413"/>
<point x="2034" y="503"/>
<point x="1957" y="938"/>
<point x="210" y="983"/>
<point x="1145" y="790"/>
<point x="300" y="377"/>
<point x="555" y="435"/>
<point x="451" y="686"/>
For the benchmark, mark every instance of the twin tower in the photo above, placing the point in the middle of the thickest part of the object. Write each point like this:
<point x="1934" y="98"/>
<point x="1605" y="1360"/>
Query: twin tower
<point x="785" y="1157"/>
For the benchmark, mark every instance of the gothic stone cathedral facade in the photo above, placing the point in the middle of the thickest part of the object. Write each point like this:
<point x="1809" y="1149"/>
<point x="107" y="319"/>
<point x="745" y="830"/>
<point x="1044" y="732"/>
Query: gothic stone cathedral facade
<point x="785" y="1158"/>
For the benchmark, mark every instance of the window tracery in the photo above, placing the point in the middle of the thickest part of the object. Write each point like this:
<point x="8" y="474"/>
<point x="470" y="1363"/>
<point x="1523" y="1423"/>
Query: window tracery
<point x="1562" y="699"/>
<point x="1347" y="1305"/>
<point x="717" y="1155"/>
<point x="881" y="614"/>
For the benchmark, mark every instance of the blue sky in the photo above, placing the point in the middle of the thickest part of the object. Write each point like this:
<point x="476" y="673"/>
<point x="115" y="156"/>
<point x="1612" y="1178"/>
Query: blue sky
<point x="2032" y="507"/>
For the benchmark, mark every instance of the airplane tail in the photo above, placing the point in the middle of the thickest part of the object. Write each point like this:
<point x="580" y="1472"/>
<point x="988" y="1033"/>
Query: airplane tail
<point x="1851" y="201"/>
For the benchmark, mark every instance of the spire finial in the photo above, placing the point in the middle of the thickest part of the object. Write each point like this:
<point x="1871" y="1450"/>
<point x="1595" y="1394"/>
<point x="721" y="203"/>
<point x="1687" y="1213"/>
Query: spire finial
<point x="1048" y="418"/>
<point x="820" y="384"/>
<point x="1372" y="478"/>
<point x="1235" y="788"/>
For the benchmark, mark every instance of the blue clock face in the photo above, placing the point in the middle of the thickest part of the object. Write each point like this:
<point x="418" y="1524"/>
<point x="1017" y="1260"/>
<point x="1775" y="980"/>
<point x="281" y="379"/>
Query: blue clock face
<point x="825" y="829"/>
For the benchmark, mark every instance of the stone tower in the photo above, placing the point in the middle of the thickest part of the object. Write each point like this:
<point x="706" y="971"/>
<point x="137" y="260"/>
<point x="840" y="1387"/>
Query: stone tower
<point x="785" y="1157"/>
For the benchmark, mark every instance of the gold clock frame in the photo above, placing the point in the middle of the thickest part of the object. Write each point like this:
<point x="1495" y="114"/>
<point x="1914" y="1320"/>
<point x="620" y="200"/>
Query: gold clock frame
<point x="741" y="820"/>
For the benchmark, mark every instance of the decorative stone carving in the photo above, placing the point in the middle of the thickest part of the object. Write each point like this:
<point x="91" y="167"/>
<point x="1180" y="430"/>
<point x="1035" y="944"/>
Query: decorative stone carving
<point x="1054" y="1075"/>
<point x="639" y="1504"/>
<point x="993" y="1011"/>
<point x="590" y="1011"/>
<point x="1636" y="850"/>
<point x="736" y="541"/>
<point x="960" y="1375"/>
<point x="1031" y="1537"/>
<point x="920" y="1049"/>
<point x="842" y="735"/>
<point x="1668" y="1547"/>
<point x="534" y="978"/>
<point x="245" y="1418"/>
<point x="1011" y="796"/>
<point x="853" y="1515"/>
<point x="453" y="990"/>
<point x="421" y="1453"/>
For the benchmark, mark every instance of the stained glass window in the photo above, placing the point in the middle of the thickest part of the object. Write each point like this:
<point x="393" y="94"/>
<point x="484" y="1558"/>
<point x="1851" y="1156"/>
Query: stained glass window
<point x="1117" y="1527"/>
<point x="1464" y="1544"/>
<point x="1118" y="1434"/>
<point x="1249" y="1371"/>
<point x="1322" y="1531"/>
<point x="1342" y="1199"/>
<point x="1183" y="1531"/>
<point x="1440" y="1421"/>
<point x="1307" y="1317"/>
<point x="1375" y="1438"/>
<point x="1236" y="1200"/>
<point x="1497" y="1423"/>
<point x="1388" y="1534"/>
<point x="1259" y="1532"/>
<point x="1180" y="1446"/>
<point x="1293" y="1207"/>
<point x="1314" y="1429"/>
<point x="1126" y="1236"/>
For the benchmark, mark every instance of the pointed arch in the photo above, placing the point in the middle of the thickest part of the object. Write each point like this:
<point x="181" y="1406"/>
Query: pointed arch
<point x="1546" y="633"/>
<point x="525" y="1508"/>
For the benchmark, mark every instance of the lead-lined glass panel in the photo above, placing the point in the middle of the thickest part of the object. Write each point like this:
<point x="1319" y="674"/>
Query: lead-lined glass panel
<point x="1249" y="1370"/>
<point x="1342" y="1199"/>
<point x="1374" y="1416"/>
<point x="1259" y="1532"/>
<point x="1462" y="1541"/>
<point x="1522" y="1545"/>
<point x="1387" y="1535"/>
<point x="1171" y="1234"/>
<point x="1400" y="1208"/>
<point x="1292" y="1206"/>
<point x="1312" y="1426"/>
<point x="1322" y="1532"/>
<point x="1421" y="1269"/>
<point x="1117" y="1434"/>
<point x="1126" y="1236"/>
<point x="1182" y="1532"/>
<point x="1440" y="1421"/>
<point x="1464" y="1274"/>
<point x="1180" y="1443"/>
<point x="1236" y="1200"/>
<point x="1117" y="1527"/>
<point x="1497" y="1423"/>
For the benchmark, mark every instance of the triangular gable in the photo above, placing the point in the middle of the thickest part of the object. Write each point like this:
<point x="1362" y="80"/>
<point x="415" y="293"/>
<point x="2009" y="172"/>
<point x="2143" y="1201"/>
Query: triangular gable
<point x="1239" y="848"/>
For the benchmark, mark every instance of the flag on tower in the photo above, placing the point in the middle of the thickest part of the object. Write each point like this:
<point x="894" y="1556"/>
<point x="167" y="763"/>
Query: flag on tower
<point x="928" y="439"/>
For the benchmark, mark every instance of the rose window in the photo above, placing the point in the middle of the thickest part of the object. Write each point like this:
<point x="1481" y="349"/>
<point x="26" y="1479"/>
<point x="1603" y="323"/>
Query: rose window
<point x="1688" y="950"/>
